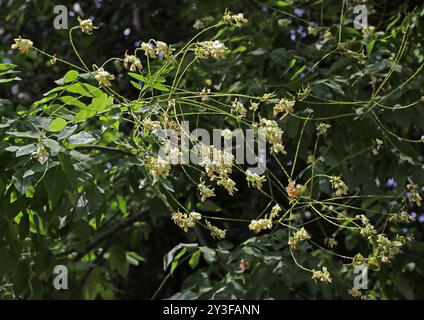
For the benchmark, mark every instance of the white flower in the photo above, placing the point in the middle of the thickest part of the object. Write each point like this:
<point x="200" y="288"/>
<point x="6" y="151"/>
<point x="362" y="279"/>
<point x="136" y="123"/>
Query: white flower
<point x="103" y="77"/>
<point x="254" y="179"/>
<point x="132" y="63"/>
<point x="163" y="49"/>
<point x="22" y="44"/>
<point x="285" y="106"/>
<point x="258" y="225"/>
<point x="322" y="128"/>
<point x="158" y="167"/>
<point x="205" y="94"/>
<point x="214" y="49"/>
<point x="205" y="191"/>
<point x="238" y="109"/>
<point x="186" y="221"/>
<point x="86" y="25"/>
<point x="323" y="276"/>
<point x="227" y="134"/>
<point x="215" y="231"/>
<point x="148" y="49"/>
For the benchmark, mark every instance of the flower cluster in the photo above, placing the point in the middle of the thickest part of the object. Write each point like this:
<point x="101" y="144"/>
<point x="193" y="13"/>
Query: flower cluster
<point x="205" y="191"/>
<point x="258" y="225"/>
<point x="284" y="106"/>
<point x="266" y="223"/>
<point x="157" y="167"/>
<point x="186" y="221"/>
<point x="415" y="196"/>
<point x="23" y="45"/>
<point x="401" y="217"/>
<point x="205" y="94"/>
<point x="103" y="77"/>
<point x="158" y="48"/>
<point x="338" y="184"/>
<point x="215" y="231"/>
<point x="218" y="165"/>
<point x="132" y="63"/>
<point x="367" y="230"/>
<point x="322" y="128"/>
<point x="238" y="109"/>
<point x="254" y="179"/>
<point x="323" y="276"/>
<point x="273" y="134"/>
<point x="234" y="19"/>
<point x="298" y="236"/>
<point x="86" y="25"/>
<point x="213" y="48"/>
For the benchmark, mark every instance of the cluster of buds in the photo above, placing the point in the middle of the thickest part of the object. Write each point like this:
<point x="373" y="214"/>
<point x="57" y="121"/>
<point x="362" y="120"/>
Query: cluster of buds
<point x="186" y="221"/>
<point x="216" y="233"/>
<point x="234" y="19"/>
<point x="323" y="276"/>
<point x="213" y="48"/>
<point x="86" y="25"/>
<point x="132" y="63"/>
<point x="284" y="106"/>
<point x="322" y="128"/>
<point x="103" y="77"/>
<point x="338" y="184"/>
<point x="298" y="236"/>
<point x="23" y="45"/>
<point x="254" y="179"/>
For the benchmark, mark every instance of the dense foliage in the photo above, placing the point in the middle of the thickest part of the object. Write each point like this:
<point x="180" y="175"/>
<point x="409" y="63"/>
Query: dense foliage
<point x="82" y="183"/>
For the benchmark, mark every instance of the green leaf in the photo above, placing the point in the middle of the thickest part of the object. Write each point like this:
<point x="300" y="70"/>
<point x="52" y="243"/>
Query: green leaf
<point x="70" y="76"/>
<point x="176" y="260"/>
<point x="82" y="138"/>
<point x="118" y="261"/>
<point x="194" y="260"/>
<point x="58" y="124"/>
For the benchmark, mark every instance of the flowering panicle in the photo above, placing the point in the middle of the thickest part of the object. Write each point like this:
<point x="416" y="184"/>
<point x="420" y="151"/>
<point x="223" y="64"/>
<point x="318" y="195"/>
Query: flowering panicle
<point x="238" y="109"/>
<point x="86" y="25"/>
<point x="132" y="63"/>
<point x="284" y="106"/>
<point x="186" y="221"/>
<point x="415" y="196"/>
<point x="205" y="191"/>
<point x="323" y="276"/>
<point x="273" y="134"/>
<point x="103" y="77"/>
<point x="322" y="128"/>
<point x="254" y="179"/>
<point x="205" y="94"/>
<point x="298" y="236"/>
<point x="23" y="45"/>
<point x="234" y="19"/>
<point x="259" y="225"/>
<point x="216" y="233"/>
<point x="338" y="184"/>
<point x="158" y="167"/>
<point x="213" y="48"/>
